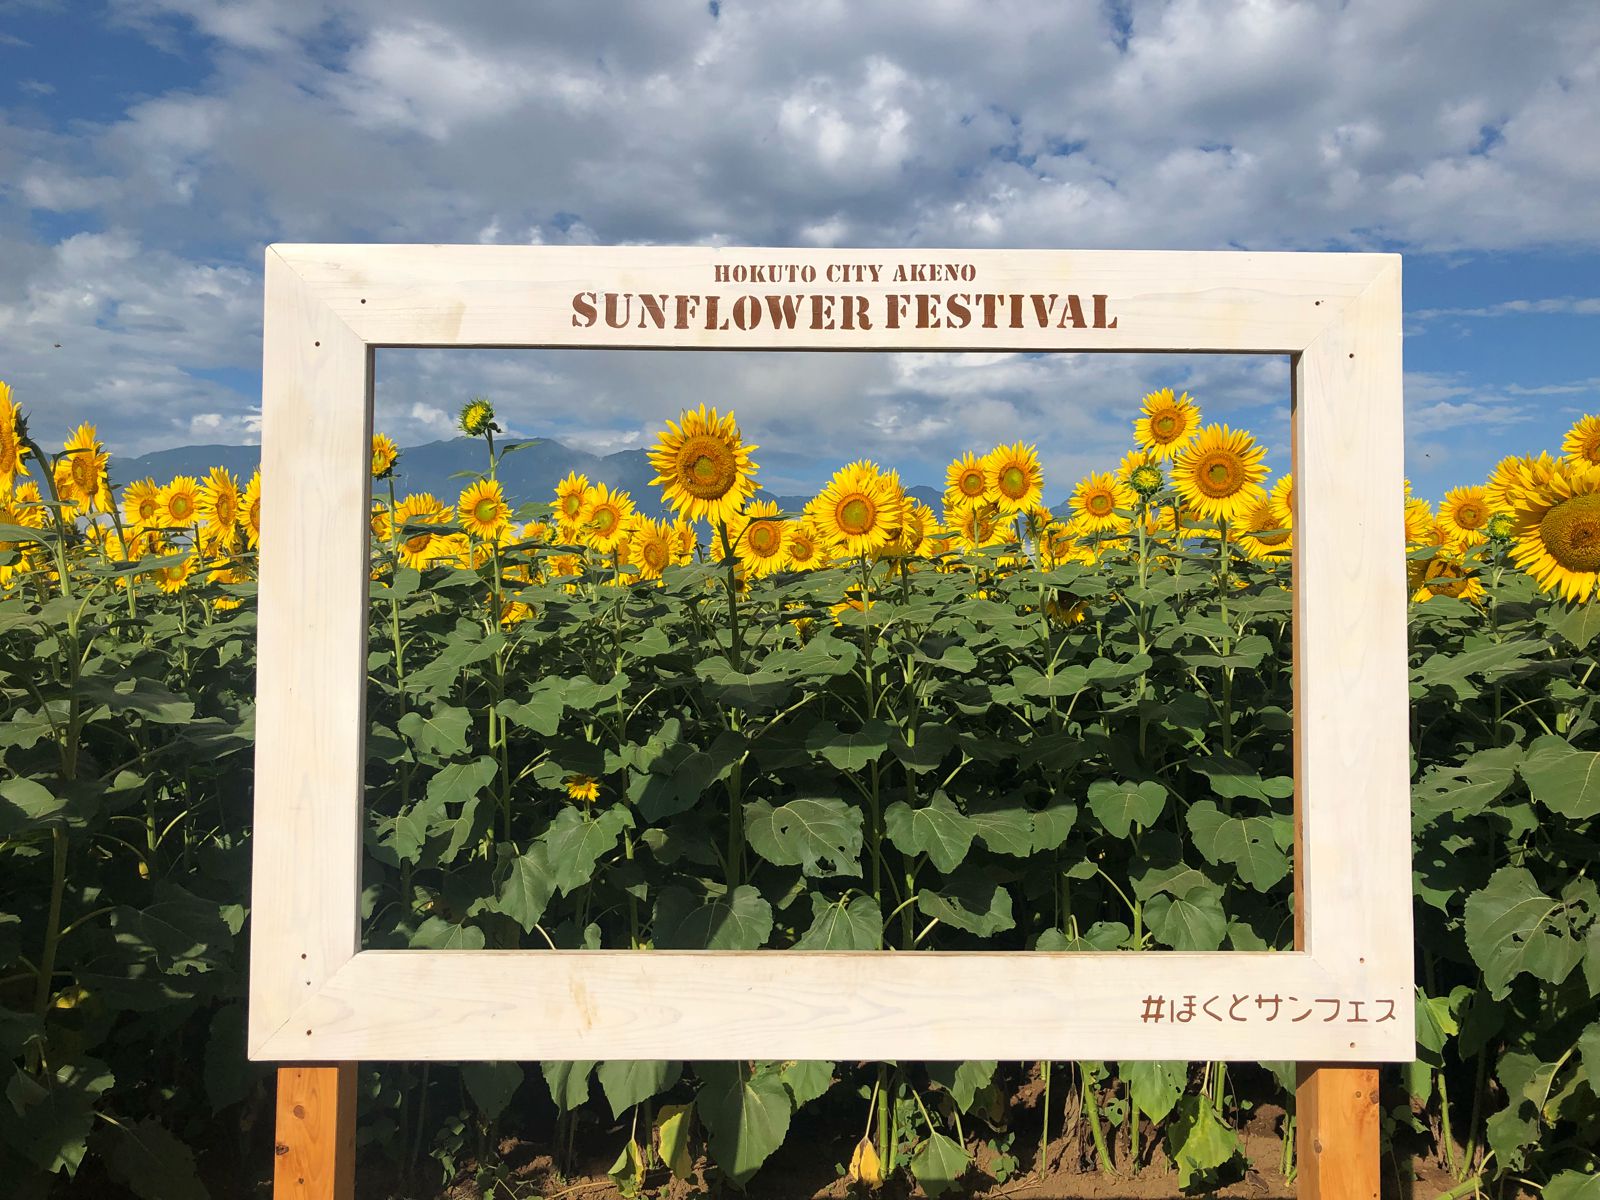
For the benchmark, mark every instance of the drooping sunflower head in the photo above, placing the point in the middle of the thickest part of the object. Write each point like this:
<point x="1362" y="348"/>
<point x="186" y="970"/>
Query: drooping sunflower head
<point x="250" y="508"/>
<point x="1098" y="497"/>
<point x="703" y="466"/>
<point x="761" y="539"/>
<point x="1463" y="514"/>
<point x="569" y="502"/>
<point x="482" y="509"/>
<point x="583" y="788"/>
<point x="11" y="434"/>
<point x="477" y="417"/>
<point x="1557" y="539"/>
<point x="1219" y="472"/>
<point x="860" y="510"/>
<point x="1013" y="479"/>
<point x="420" y="544"/>
<point x="1582" y="443"/>
<point x="603" y="519"/>
<point x="384" y="455"/>
<point x="179" y="503"/>
<point x="965" y="482"/>
<point x="1166" y="422"/>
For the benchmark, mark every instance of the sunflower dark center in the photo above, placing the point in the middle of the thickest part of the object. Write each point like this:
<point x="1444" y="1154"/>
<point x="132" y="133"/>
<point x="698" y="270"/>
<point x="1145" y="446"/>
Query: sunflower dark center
<point x="83" y="472"/>
<point x="485" y="510"/>
<point x="1013" y="482"/>
<point x="1164" y="426"/>
<point x="655" y="555"/>
<point x="1471" y="516"/>
<point x="1218" y="476"/>
<point x="1100" y="504"/>
<point x="706" y="467"/>
<point x="181" y="507"/>
<point x="604" y="519"/>
<point x="972" y="483"/>
<point x="857" y="515"/>
<point x="1571" y="532"/>
<point x="764" y="537"/>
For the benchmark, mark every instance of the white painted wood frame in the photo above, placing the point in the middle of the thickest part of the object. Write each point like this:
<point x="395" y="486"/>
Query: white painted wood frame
<point x="315" y="996"/>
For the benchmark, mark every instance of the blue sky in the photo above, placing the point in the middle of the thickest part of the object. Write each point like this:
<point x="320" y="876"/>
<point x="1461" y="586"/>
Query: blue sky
<point x="152" y="148"/>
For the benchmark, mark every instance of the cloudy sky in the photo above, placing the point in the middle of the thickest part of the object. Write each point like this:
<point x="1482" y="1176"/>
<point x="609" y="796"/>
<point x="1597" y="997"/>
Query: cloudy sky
<point x="150" y="150"/>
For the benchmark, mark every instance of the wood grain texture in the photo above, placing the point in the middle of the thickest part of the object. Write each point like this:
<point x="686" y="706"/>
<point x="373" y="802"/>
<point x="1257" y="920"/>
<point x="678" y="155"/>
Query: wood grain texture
<point x="1336" y="1133"/>
<point x="314" y="1152"/>
<point x="312" y="995"/>
<point x="454" y="1005"/>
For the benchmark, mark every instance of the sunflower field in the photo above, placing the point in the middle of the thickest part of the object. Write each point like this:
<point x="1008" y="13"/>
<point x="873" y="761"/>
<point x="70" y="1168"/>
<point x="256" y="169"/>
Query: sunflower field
<point x="864" y="724"/>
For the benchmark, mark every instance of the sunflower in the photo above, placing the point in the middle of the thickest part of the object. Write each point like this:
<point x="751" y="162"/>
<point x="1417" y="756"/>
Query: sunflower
<point x="81" y="472"/>
<point x="1282" y="501"/>
<point x="652" y="548"/>
<point x="603" y="519"/>
<point x="1514" y="472"/>
<point x="477" y="417"/>
<point x="1265" y="534"/>
<point x="806" y="548"/>
<point x="1012" y="477"/>
<point x="582" y="787"/>
<point x="384" y="454"/>
<point x="1421" y="528"/>
<point x="1443" y="575"/>
<point x="1582" y="443"/>
<point x="703" y="466"/>
<point x="1166" y="423"/>
<point x="569" y="503"/>
<point x="860" y="510"/>
<point x="482" y="509"/>
<point x="1463" y="514"/>
<point x="141" y="503"/>
<point x="178" y="504"/>
<point x="1097" y="499"/>
<point x="1141" y="471"/>
<point x="964" y="482"/>
<point x="761" y="540"/>
<point x="1064" y="609"/>
<point x="1557" y="536"/>
<point x="513" y="612"/>
<point x="685" y="542"/>
<point x="982" y="526"/>
<point x="175" y="577"/>
<point x="228" y="571"/>
<point x="419" y="545"/>
<point x="1219" y="473"/>
<point x="250" y="510"/>
<point x="219" y="506"/>
<point x="11" y="448"/>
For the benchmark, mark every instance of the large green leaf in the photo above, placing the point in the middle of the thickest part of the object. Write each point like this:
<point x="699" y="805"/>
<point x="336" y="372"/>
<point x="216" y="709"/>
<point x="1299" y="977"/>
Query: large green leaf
<point x="568" y="1083"/>
<point x="491" y="1085"/>
<point x="442" y="732"/>
<point x="1120" y="806"/>
<point x="153" y="1163"/>
<point x="1562" y="778"/>
<point x="577" y="840"/>
<point x="850" y="751"/>
<point x="525" y="891"/>
<point x="1573" y="1185"/>
<point x="48" y="1120"/>
<point x="962" y="1079"/>
<point x="1199" y="1141"/>
<point x="971" y="901"/>
<point x="746" y="1115"/>
<point x="805" y="831"/>
<point x="938" y="829"/>
<point x="1252" y="844"/>
<point x="849" y="923"/>
<point x="685" y="921"/>
<point x="631" y="1082"/>
<point x="1189" y="920"/>
<point x="1155" y="1086"/>
<point x="1466" y="789"/>
<point x="939" y="1163"/>
<point x="1513" y="928"/>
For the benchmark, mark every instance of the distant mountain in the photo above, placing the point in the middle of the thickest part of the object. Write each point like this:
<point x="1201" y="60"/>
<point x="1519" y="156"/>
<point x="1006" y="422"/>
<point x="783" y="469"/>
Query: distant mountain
<point x="528" y="473"/>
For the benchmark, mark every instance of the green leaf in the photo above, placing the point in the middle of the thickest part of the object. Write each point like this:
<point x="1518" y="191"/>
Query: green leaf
<point x="1563" y="779"/>
<point x="962" y="1079"/>
<point x="491" y="1085"/>
<point x="684" y="921"/>
<point x="806" y="1079"/>
<point x="25" y="804"/>
<point x="1155" y="1086"/>
<point x="926" y="749"/>
<point x="804" y="831"/>
<point x="1233" y="779"/>
<point x="1249" y="843"/>
<point x="939" y="1164"/>
<point x="938" y="830"/>
<point x="526" y="890"/>
<point x="436" y="933"/>
<point x="568" y="1083"/>
<point x="850" y="751"/>
<point x="1120" y="806"/>
<point x="1573" y="1185"/>
<point x="1191" y="920"/>
<point x="631" y="1082"/>
<point x="1467" y="789"/>
<point x="1513" y="928"/>
<point x="443" y="732"/>
<point x="746" y="1116"/>
<point x="49" y="1120"/>
<point x="1199" y="1141"/>
<point x="970" y="901"/>
<point x="1509" y="1131"/>
<point x="227" y="1074"/>
<point x="849" y="923"/>
<point x="153" y="1163"/>
<point x="1004" y="826"/>
<point x="674" y="1122"/>
<point x="1579" y="624"/>
<point x="576" y="841"/>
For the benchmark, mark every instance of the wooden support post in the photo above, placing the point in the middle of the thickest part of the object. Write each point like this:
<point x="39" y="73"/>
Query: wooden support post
<point x="1336" y="1132"/>
<point x="315" y="1151"/>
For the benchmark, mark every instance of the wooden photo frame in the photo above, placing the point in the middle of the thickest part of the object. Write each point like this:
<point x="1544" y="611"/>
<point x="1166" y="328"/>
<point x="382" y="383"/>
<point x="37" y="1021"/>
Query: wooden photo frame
<point x="1345" y="994"/>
